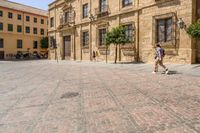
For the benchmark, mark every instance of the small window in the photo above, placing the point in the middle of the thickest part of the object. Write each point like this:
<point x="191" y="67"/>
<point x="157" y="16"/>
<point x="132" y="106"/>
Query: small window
<point x="85" y="39"/>
<point x="1" y="13"/>
<point x="27" y="29"/>
<point x="34" y="30"/>
<point x="164" y="30"/>
<point x="42" y="31"/>
<point x="129" y="32"/>
<point x="52" y="42"/>
<point x="10" y="15"/>
<point x="67" y="17"/>
<point x="19" y="28"/>
<point x="19" y="17"/>
<point x="126" y="3"/>
<point x="35" y="44"/>
<point x="1" y="43"/>
<point x="85" y="10"/>
<point x="35" y="20"/>
<point x="10" y="27"/>
<point x="19" y="44"/>
<point x="42" y="21"/>
<point x="52" y="22"/>
<point x="1" y="26"/>
<point x="27" y="18"/>
<point x="102" y="36"/>
<point x="103" y="6"/>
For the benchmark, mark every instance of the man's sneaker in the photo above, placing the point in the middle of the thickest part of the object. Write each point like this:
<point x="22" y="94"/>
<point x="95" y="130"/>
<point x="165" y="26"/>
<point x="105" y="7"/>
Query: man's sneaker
<point x="166" y="71"/>
<point x="154" y="72"/>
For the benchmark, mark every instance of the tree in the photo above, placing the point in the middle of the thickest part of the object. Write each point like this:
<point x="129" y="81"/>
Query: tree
<point x="108" y="43"/>
<point x="117" y="37"/>
<point x="44" y="42"/>
<point x="194" y="30"/>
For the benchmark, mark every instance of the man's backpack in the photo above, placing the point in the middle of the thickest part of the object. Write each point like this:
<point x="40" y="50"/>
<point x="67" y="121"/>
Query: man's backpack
<point x="163" y="52"/>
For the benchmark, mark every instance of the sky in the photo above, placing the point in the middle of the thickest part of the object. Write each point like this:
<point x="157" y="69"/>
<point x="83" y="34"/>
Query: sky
<point x="42" y="4"/>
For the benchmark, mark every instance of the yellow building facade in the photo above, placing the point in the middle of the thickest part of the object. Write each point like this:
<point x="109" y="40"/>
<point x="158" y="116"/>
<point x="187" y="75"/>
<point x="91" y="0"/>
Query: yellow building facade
<point x="21" y="29"/>
<point x="77" y="29"/>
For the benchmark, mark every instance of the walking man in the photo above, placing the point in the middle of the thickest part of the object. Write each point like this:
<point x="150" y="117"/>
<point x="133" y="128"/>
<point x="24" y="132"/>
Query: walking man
<point x="160" y="53"/>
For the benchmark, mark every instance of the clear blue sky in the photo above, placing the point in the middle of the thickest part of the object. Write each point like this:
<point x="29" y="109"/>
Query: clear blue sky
<point x="42" y="4"/>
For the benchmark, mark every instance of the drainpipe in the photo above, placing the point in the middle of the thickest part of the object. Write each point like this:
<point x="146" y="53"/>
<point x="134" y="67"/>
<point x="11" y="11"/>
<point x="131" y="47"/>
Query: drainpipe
<point x="138" y="33"/>
<point x="74" y="43"/>
<point x="90" y="34"/>
<point x="56" y="55"/>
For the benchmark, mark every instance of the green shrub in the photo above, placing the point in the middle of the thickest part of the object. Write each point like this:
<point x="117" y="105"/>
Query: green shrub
<point x="194" y="30"/>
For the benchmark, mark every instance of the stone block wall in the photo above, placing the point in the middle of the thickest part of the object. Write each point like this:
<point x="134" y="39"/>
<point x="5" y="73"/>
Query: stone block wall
<point x="141" y="14"/>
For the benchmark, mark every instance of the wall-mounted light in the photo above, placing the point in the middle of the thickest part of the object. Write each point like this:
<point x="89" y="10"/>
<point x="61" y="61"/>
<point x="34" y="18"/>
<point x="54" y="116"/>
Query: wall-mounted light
<point x="92" y="17"/>
<point x="181" y="23"/>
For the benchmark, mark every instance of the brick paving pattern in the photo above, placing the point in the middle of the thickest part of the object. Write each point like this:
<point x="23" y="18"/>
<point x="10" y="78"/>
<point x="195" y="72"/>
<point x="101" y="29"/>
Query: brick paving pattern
<point x="73" y="97"/>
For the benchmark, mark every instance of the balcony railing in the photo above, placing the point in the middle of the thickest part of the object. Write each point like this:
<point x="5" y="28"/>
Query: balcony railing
<point x="102" y="11"/>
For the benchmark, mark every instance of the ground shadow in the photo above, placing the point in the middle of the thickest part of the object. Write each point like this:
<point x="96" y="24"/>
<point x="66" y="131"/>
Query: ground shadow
<point x="132" y="62"/>
<point x="21" y="60"/>
<point x="173" y="73"/>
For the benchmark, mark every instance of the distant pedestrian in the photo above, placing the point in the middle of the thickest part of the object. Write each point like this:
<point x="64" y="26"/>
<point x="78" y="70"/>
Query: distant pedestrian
<point x="97" y="55"/>
<point x="160" y="54"/>
<point x="94" y="55"/>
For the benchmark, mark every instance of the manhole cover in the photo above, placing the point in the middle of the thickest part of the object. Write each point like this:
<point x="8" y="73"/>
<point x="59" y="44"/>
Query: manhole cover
<point x="69" y="95"/>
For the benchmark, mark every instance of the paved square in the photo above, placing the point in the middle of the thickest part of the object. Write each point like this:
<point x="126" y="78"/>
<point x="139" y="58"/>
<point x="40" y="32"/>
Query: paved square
<point x="83" y="97"/>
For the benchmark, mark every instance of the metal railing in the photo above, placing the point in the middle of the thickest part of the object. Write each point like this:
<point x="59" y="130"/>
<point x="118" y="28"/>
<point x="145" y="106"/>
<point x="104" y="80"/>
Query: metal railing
<point x="102" y="11"/>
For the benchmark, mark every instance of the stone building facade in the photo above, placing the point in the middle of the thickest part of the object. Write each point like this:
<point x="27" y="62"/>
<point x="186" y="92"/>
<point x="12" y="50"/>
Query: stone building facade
<point x="21" y="29"/>
<point x="77" y="28"/>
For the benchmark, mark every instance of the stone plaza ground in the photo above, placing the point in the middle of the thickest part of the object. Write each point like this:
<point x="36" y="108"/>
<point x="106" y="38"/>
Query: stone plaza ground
<point x="82" y="97"/>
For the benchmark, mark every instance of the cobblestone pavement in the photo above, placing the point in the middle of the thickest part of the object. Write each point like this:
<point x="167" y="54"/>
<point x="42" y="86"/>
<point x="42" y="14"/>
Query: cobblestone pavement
<point x="74" y="97"/>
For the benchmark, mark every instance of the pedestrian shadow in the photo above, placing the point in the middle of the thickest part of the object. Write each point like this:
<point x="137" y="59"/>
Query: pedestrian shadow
<point x="173" y="73"/>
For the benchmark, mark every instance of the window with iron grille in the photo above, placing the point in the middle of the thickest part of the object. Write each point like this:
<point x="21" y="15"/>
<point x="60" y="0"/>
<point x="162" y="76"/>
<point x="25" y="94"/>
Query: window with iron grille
<point x="19" y="44"/>
<point x="102" y="36"/>
<point x="10" y="15"/>
<point x="126" y="2"/>
<point x="42" y="31"/>
<point x="35" y="44"/>
<point x="34" y="30"/>
<point x="67" y="17"/>
<point x="85" y="38"/>
<point x="52" y="21"/>
<point x="53" y="42"/>
<point x="27" y="29"/>
<point x="1" y="43"/>
<point x="19" y="28"/>
<point x="1" y="26"/>
<point x="42" y="21"/>
<point x="102" y="5"/>
<point x="164" y="30"/>
<point x="27" y="18"/>
<point x="35" y="20"/>
<point x="10" y="27"/>
<point x="1" y="13"/>
<point x="129" y="32"/>
<point x="19" y="17"/>
<point x="85" y="10"/>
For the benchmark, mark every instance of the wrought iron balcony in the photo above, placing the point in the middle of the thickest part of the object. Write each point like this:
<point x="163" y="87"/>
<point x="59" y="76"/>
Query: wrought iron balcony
<point x="102" y="11"/>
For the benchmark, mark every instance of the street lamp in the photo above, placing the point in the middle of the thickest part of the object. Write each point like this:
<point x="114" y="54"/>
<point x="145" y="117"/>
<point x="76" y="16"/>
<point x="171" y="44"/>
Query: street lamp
<point x="181" y="23"/>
